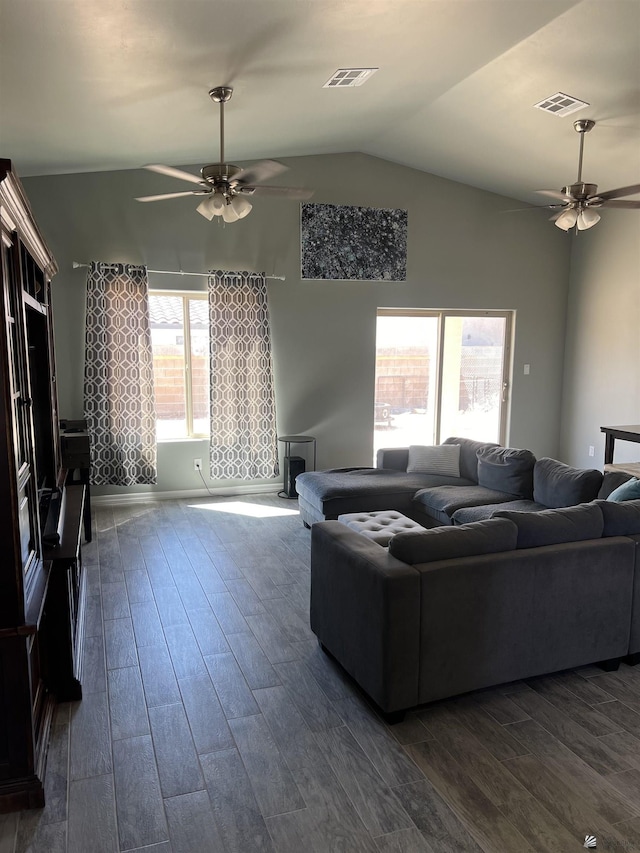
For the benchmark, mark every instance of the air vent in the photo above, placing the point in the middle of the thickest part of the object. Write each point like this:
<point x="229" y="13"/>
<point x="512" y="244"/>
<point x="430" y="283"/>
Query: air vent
<point x="561" y="104"/>
<point x="345" y="77"/>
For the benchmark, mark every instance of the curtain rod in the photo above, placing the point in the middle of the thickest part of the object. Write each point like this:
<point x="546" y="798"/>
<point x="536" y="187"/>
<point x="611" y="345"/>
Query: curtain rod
<point x="76" y="265"/>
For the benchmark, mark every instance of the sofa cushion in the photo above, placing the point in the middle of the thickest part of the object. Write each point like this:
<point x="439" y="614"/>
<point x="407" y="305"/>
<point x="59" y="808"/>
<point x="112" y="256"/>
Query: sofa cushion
<point x="556" y="484"/>
<point x="436" y="459"/>
<point x="351" y="489"/>
<point x="506" y="469"/>
<point x="555" y="526"/>
<point x="392" y="457"/>
<point x="440" y="502"/>
<point x="476" y="513"/>
<point x="468" y="455"/>
<point x="629" y="491"/>
<point x="327" y="494"/>
<point x="444" y="543"/>
<point x="611" y="481"/>
<point x="621" y="518"/>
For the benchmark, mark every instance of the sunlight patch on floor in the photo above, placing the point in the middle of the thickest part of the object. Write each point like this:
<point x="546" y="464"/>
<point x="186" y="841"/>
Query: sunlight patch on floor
<point x="243" y="508"/>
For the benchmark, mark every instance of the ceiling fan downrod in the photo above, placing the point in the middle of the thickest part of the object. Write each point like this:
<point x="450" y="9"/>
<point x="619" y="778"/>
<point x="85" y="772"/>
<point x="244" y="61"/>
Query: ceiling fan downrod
<point x="221" y="94"/>
<point x="582" y="126"/>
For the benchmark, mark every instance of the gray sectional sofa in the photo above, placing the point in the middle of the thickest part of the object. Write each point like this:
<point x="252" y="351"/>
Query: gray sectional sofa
<point x="490" y="477"/>
<point x="457" y="608"/>
<point x="324" y="495"/>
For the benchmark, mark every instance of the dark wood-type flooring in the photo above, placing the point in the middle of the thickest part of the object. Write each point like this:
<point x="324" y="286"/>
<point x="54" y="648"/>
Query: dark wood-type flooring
<point x="211" y="720"/>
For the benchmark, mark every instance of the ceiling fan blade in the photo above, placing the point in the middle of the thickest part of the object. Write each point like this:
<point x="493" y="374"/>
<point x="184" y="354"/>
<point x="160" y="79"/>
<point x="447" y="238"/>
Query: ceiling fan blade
<point x="533" y="207"/>
<point x="554" y="194"/>
<point x="259" y="172"/>
<point x="630" y="205"/>
<point x="168" y="195"/>
<point x="175" y="173"/>
<point x="632" y="190"/>
<point x="284" y="192"/>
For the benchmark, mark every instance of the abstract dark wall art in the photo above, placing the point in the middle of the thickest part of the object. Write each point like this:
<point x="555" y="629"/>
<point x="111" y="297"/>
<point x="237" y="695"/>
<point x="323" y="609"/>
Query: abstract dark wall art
<point x="353" y="243"/>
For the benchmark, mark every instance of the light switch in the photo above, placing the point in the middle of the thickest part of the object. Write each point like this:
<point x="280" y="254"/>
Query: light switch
<point x="527" y="369"/>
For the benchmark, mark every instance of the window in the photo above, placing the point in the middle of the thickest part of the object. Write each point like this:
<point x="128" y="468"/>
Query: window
<point x="441" y="373"/>
<point x="180" y="345"/>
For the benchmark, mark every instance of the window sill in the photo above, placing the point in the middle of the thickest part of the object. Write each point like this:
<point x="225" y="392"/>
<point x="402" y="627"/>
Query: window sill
<point x="189" y="440"/>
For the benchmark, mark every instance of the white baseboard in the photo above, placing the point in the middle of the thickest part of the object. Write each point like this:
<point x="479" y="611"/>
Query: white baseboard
<point x="151" y="497"/>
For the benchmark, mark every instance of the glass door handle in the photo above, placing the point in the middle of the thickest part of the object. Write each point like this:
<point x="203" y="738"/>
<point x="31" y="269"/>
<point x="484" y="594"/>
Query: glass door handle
<point x="505" y="389"/>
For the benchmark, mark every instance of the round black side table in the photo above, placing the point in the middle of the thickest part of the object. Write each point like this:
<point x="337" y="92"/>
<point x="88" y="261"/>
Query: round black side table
<point x="289" y="489"/>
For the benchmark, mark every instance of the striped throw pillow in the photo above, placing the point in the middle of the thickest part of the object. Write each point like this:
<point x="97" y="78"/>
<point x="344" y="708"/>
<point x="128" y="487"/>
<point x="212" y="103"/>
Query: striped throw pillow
<point x="441" y="459"/>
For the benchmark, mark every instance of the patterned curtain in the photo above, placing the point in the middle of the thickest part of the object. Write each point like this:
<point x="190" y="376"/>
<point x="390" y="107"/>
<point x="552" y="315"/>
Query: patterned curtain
<point x="244" y="442"/>
<point x="119" y="403"/>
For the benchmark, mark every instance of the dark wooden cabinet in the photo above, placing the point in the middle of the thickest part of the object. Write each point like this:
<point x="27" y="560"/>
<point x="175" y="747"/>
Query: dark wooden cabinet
<point x="41" y="589"/>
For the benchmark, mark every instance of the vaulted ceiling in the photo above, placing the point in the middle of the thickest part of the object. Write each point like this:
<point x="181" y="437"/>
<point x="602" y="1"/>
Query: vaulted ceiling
<point x="93" y="85"/>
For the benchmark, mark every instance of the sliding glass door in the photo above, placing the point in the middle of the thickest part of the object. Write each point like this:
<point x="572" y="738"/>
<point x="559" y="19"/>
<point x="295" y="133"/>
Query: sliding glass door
<point x="406" y="378"/>
<point x="441" y="373"/>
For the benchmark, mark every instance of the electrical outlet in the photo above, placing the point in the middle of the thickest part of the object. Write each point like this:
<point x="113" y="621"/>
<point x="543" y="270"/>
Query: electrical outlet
<point x="527" y="369"/>
<point x="592" y="450"/>
<point x="197" y="464"/>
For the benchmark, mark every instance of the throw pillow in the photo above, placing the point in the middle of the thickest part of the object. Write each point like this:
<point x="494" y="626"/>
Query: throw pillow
<point x="629" y="491"/>
<point x="468" y="455"/>
<point x="446" y="543"/>
<point x="555" y="526"/>
<point x="505" y="469"/>
<point x="439" y="459"/>
<point x="556" y="484"/>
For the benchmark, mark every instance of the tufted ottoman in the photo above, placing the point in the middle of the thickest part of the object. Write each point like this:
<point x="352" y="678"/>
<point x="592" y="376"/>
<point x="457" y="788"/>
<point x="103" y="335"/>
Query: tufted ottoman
<point x="381" y="525"/>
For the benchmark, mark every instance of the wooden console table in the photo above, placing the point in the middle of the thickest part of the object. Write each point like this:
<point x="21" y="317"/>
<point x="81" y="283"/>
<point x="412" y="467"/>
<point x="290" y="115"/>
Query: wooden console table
<point x="624" y="433"/>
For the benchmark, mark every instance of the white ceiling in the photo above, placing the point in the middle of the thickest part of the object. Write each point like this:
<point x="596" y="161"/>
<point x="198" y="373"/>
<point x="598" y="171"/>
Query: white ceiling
<point x="93" y="85"/>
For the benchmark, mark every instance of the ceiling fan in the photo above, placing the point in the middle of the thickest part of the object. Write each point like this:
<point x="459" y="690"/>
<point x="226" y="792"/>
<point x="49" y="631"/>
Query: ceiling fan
<point x="580" y="201"/>
<point x="226" y="187"/>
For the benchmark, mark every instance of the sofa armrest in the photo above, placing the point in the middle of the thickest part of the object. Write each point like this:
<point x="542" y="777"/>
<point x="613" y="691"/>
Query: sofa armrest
<point x="634" y="639"/>
<point x="396" y="458"/>
<point x="365" y="610"/>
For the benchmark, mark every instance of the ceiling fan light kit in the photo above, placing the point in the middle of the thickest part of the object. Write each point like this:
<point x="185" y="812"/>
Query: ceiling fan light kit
<point x="567" y="219"/>
<point x="225" y="186"/>
<point x="207" y="208"/>
<point x="230" y="209"/>
<point x="587" y="218"/>
<point x="241" y="206"/>
<point x="579" y="200"/>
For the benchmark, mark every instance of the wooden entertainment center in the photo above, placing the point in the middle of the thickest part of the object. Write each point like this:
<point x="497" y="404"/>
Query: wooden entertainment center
<point x="41" y="512"/>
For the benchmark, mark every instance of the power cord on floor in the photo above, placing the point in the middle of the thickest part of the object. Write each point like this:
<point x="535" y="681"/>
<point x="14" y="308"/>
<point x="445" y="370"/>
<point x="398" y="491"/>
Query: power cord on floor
<point x="281" y="494"/>
<point x="204" y="482"/>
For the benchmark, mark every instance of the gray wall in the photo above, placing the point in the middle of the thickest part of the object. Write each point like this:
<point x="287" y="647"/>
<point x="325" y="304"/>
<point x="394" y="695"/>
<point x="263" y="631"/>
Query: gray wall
<point x="464" y="251"/>
<point x="602" y="362"/>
